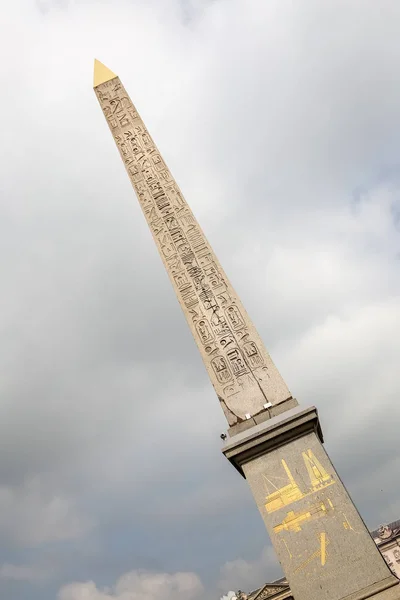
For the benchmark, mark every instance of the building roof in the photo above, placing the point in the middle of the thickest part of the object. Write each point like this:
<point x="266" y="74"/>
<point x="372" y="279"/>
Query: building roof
<point x="268" y="590"/>
<point x="385" y="533"/>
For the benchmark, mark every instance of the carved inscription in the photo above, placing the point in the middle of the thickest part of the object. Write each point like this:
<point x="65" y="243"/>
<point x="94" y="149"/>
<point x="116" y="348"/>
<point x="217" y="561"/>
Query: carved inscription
<point x="229" y="345"/>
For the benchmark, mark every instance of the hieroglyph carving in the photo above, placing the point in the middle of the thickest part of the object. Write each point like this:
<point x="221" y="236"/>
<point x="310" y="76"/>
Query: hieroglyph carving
<point x="239" y="366"/>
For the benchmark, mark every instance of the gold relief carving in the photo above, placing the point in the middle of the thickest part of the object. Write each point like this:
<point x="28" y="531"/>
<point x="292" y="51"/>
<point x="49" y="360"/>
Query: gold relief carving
<point x="323" y="547"/>
<point x="284" y="542"/>
<point x="285" y="495"/>
<point x="318" y="476"/>
<point x="204" y="292"/>
<point x="320" y="553"/>
<point x="347" y="525"/>
<point x="296" y="521"/>
<point x="319" y="479"/>
<point x="293" y="521"/>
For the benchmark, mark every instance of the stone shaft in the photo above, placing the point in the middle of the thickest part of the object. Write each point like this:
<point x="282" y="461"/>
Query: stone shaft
<point x="322" y="543"/>
<point x="241" y="370"/>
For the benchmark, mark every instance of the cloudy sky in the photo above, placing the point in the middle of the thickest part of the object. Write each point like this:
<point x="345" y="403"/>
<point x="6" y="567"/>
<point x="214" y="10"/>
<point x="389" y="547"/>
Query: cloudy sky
<point x="280" y="120"/>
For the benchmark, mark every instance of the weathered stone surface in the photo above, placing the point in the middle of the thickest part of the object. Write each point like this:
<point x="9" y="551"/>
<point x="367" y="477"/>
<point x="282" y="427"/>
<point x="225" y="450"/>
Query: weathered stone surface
<point x="240" y="368"/>
<point x="322" y="543"/>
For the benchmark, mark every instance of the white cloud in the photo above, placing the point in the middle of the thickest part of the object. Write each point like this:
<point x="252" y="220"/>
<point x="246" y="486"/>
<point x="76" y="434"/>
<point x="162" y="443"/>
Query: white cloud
<point x="247" y="575"/>
<point x="229" y="596"/>
<point x="139" y="585"/>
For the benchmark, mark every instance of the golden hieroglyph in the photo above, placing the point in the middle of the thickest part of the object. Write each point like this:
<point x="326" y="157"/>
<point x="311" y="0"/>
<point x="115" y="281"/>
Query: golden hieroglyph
<point x="294" y="521"/>
<point x="237" y="362"/>
<point x="283" y="496"/>
<point x="319" y="478"/>
<point x="320" y="553"/>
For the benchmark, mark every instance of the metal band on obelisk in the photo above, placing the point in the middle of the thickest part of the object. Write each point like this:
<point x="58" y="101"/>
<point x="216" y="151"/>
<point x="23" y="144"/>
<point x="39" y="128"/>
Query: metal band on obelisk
<point x="322" y="543"/>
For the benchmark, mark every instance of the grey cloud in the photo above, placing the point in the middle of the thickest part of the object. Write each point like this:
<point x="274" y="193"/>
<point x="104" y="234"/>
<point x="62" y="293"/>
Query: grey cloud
<point x="139" y="585"/>
<point x="281" y="126"/>
<point x="30" y="516"/>
<point x="22" y="573"/>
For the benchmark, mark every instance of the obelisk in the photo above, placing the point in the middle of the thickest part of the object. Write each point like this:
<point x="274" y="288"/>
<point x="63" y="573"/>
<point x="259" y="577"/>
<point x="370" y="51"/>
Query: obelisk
<point x="321" y="541"/>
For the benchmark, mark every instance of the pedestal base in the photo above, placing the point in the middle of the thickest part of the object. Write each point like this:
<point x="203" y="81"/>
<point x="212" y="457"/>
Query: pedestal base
<point x="322" y="543"/>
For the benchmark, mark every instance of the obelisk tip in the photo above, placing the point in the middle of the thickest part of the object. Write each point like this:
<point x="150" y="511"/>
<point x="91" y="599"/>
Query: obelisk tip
<point x="101" y="73"/>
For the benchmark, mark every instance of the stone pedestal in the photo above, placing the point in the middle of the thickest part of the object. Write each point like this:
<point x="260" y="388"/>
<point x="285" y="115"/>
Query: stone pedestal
<point x="322" y="543"/>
